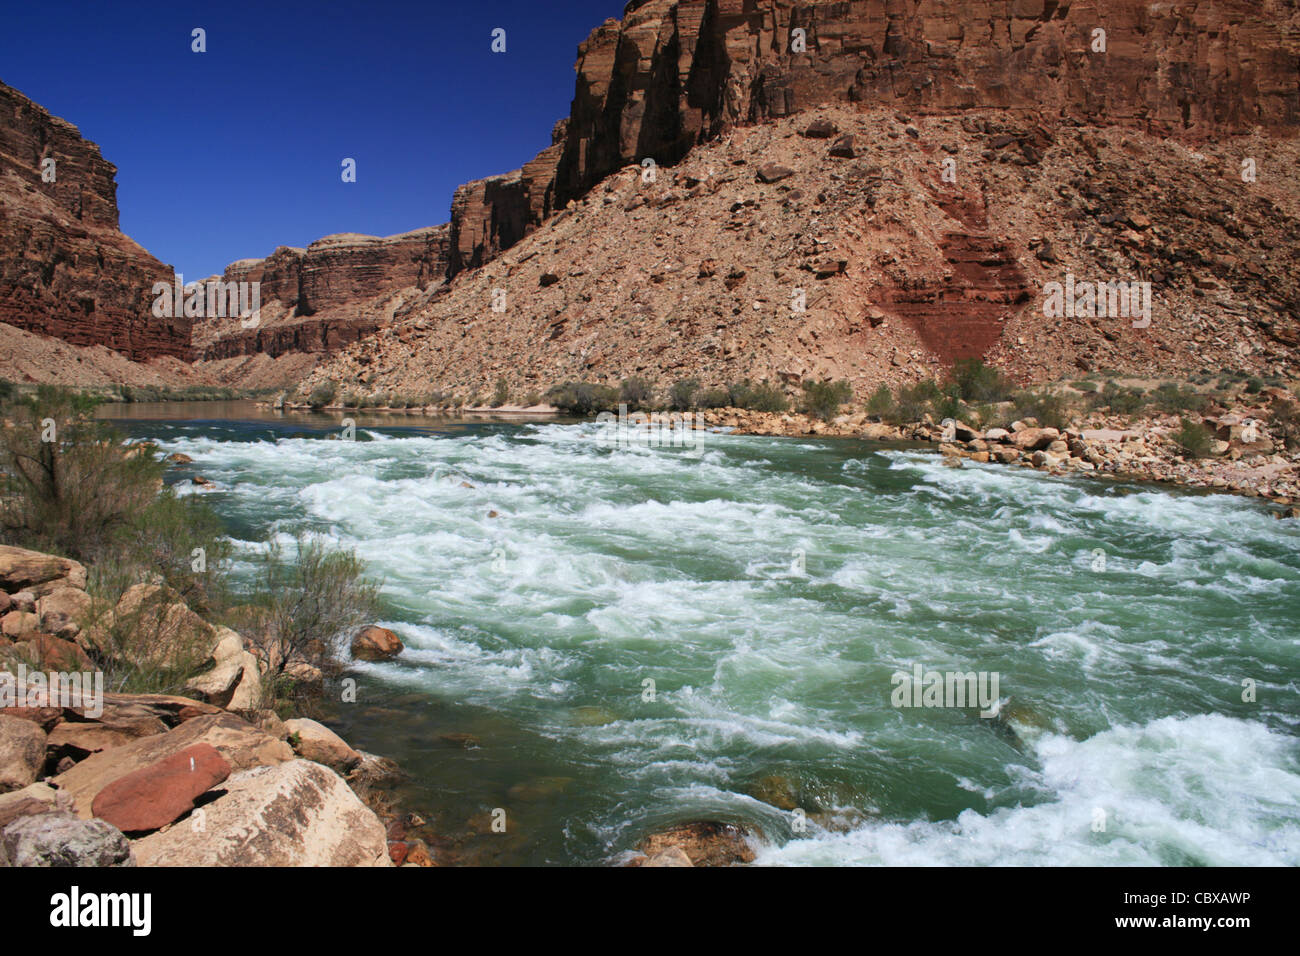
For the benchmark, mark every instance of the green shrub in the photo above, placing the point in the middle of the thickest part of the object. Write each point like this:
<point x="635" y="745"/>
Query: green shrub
<point x="501" y="394"/>
<point x="681" y="397"/>
<point x="823" y="399"/>
<point x="1050" y="410"/>
<point x="306" y="603"/>
<point x="636" y="392"/>
<point x="1174" y="399"/>
<point x="1193" y="439"/>
<point x="881" y="402"/>
<point x="583" y="398"/>
<point x="1121" y="400"/>
<point x="322" y="395"/>
<point x="1285" y="423"/>
<point x="67" y="484"/>
<point x="713" y="398"/>
<point x="1253" y="385"/>
<point x="914" y="402"/>
<point x="977" y="382"/>
<point x="762" y="397"/>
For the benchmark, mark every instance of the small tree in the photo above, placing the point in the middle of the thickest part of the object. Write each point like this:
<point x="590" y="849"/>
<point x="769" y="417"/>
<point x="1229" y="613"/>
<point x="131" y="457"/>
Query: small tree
<point x="502" y="393"/>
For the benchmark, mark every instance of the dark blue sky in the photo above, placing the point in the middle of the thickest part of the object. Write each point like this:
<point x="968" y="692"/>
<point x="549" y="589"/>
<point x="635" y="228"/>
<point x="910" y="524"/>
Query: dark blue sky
<point x="227" y="154"/>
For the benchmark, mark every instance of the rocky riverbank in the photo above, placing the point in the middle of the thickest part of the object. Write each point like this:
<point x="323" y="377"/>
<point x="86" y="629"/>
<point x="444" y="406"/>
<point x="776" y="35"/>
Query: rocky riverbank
<point x="214" y="778"/>
<point x="1243" y="456"/>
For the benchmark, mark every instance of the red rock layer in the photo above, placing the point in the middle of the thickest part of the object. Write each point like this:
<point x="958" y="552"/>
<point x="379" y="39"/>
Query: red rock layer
<point x="335" y="292"/>
<point x="65" y="269"/>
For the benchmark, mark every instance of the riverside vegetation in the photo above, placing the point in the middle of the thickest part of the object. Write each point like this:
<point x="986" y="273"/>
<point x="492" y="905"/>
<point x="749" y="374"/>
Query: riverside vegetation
<point x="105" y="570"/>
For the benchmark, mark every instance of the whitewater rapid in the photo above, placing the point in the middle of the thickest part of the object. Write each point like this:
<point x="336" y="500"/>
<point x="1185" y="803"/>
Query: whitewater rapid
<point x="768" y="588"/>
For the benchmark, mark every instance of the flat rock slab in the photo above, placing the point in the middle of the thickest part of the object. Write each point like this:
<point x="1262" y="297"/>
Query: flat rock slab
<point x="240" y="743"/>
<point x="297" y="813"/>
<point x="161" y="793"/>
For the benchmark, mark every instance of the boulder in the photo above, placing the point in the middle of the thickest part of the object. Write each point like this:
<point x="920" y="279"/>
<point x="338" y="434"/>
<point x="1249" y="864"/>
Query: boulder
<point x="820" y="129"/>
<point x="31" y="800"/>
<point x="297" y="813"/>
<point x="20" y="625"/>
<point x="217" y="686"/>
<point x="774" y="172"/>
<point x="248" y="695"/>
<point x="154" y="796"/>
<point x="40" y="573"/>
<point x="62" y="612"/>
<point x="55" y="654"/>
<point x="315" y="741"/>
<point x="241" y="744"/>
<point x="60" y="839"/>
<point x="843" y="147"/>
<point x="673" y="856"/>
<point x="79" y="740"/>
<point x="376" y="644"/>
<point x="168" y="632"/>
<point x="1035" y="439"/>
<point x="22" y="753"/>
<point x="997" y="434"/>
<point x="168" y="708"/>
<point x="705" y="843"/>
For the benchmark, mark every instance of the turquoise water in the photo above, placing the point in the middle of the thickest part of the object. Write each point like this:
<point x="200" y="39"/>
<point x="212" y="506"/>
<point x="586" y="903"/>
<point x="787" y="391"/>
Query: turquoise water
<point x="770" y="588"/>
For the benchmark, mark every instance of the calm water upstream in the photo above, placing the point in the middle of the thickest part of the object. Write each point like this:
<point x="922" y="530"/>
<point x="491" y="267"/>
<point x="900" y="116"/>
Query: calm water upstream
<point x="769" y="589"/>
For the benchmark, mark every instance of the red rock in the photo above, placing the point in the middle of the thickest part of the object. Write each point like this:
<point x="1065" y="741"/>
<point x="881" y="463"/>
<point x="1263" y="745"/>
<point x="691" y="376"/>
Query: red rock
<point x="156" y="795"/>
<point x="65" y="269"/>
<point x="397" y="851"/>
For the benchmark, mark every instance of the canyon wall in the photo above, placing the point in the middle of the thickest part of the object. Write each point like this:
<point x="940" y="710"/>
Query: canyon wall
<point x="336" y="291"/>
<point x="66" y="271"/>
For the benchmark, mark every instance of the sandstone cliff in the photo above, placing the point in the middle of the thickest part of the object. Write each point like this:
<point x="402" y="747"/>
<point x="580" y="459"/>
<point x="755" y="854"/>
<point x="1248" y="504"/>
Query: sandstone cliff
<point x="65" y="269"/>
<point x="336" y="291"/>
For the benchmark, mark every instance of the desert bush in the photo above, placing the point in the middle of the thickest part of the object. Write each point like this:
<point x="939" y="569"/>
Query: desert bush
<point x="914" y="402"/>
<point x="713" y="398"/>
<point x="583" y="398"/>
<point x="306" y="602"/>
<point x="636" y="392"/>
<point x="763" y="397"/>
<point x="1050" y="410"/>
<point x="322" y="395"/>
<point x="1121" y="400"/>
<point x="1173" y="399"/>
<point x="502" y="393"/>
<point x="977" y="382"/>
<point x="1285" y="423"/>
<point x="681" y="397"/>
<point x="823" y="399"/>
<point x="880" y="402"/>
<point x="1193" y="439"/>
<point x="68" y="484"/>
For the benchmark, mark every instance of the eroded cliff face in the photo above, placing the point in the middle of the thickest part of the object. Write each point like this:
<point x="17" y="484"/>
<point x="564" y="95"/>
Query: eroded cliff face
<point x="339" y="289"/>
<point x="66" y="271"/>
<point x="675" y="72"/>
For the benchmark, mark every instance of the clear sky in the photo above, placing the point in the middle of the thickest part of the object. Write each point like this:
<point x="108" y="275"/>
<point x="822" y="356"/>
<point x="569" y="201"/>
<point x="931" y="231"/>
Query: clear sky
<point x="227" y="154"/>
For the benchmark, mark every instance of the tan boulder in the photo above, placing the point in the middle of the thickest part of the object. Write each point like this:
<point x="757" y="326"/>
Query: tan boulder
<point x="30" y="800"/>
<point x="249" y="694"/>
<point x="376" y="644"/>
<point x="239" y="742"/>
<point x="297" y="813"/>
<point x="79" y="740"/>
<point x="41" y="573"/>
<point x="20" y="625"/>
<point x="706" y="843"/>
<point x="63" y="611"/>
<point x="22" y="753"/>
<point x="217" y="686"/>
<point x="673" y="856"/>
<point x="1035" y="439"/>
<point x="315" y="741"/>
